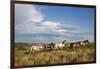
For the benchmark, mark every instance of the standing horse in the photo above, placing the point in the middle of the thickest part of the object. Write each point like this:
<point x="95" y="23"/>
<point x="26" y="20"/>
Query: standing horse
<point x="36" y="47"/>
<point x="60" y="45"/>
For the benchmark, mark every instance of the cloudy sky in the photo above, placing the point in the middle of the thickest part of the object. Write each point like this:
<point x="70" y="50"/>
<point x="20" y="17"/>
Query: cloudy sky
<point x="42" y="23"/>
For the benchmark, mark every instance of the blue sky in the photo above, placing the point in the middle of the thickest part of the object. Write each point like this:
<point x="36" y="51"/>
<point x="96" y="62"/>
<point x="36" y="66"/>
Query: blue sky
<point x="41" y="23"/>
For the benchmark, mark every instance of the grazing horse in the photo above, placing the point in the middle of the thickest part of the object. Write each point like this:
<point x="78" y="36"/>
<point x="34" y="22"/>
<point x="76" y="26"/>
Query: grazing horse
<point x="77" y="44"/>
<point x="36" y="47"/>
<point x="85" y="42"/>
<point x="74" y="44"/>
<point x="60" y="45"/>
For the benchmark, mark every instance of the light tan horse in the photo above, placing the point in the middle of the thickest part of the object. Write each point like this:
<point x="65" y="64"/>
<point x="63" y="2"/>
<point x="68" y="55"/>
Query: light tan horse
<point x="37" y="47"/>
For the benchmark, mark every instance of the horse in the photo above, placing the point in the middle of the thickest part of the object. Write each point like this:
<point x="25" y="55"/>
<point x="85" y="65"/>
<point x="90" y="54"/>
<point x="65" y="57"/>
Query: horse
<point x="74" y="44"/>
<point x="60" y="45"/>
<point x="85" y="42"/>
<point x="37" y="47"/>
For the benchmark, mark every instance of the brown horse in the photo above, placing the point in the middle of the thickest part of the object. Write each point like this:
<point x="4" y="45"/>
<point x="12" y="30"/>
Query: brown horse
<point x="85" y="42"/>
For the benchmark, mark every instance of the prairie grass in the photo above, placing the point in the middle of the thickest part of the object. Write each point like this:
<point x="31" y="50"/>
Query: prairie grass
<point x="66" y="55"/>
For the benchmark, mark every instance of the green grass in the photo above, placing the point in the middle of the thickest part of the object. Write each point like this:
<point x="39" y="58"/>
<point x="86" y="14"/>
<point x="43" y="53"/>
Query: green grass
<point x="66" y="55"/>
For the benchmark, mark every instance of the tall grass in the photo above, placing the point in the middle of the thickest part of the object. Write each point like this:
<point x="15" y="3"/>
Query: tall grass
<point x="66" y="55"/>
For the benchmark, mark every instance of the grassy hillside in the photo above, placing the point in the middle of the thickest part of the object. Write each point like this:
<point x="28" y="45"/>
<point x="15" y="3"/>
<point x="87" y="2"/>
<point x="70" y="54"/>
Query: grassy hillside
<point x="66" y="55"/>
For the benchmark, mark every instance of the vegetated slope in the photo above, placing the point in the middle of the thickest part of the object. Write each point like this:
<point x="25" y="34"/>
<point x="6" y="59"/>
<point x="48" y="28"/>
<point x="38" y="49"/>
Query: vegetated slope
<point x="66" y="55"/>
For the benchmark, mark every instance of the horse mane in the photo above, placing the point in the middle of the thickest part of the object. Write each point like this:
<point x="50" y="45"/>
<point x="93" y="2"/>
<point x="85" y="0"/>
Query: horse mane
<point x="63" y="41"/>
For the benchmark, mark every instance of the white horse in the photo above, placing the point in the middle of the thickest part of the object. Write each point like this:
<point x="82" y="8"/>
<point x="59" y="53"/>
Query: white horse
<point x="60" y="45"/>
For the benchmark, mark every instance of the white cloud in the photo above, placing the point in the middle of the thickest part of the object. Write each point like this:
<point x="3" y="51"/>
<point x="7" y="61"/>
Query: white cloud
<point x="29" y="20"/>
<point x="51" y="26"/>
<point x="26" y="16"/>
<point x="28" y="12"/>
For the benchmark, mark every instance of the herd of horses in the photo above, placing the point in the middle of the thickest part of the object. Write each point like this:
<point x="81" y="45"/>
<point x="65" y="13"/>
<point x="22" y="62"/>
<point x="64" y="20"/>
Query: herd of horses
<point x="57" y="46"/>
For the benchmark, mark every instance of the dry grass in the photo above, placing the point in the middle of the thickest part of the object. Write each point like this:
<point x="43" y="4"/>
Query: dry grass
<point x="67" y="55"/>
